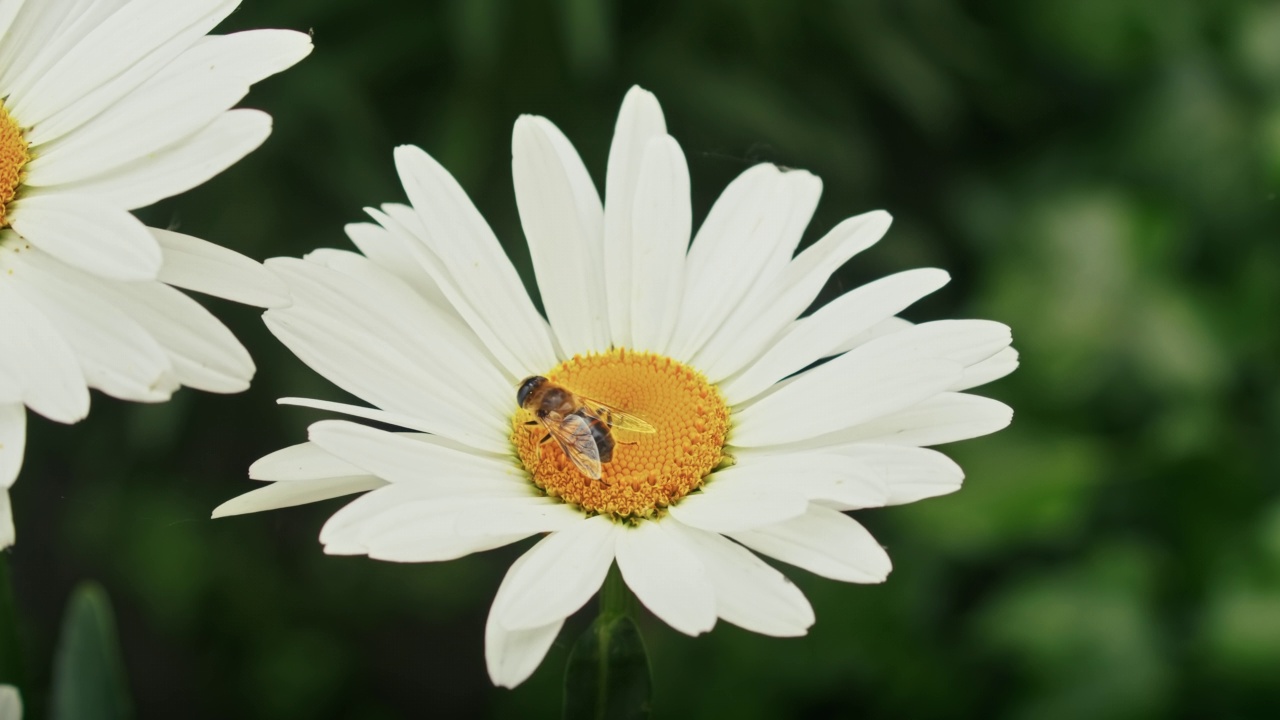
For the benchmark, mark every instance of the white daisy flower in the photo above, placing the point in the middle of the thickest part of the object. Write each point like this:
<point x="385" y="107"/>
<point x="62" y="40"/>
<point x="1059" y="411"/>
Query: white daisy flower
<point x="107" y="106"/>
<point x="754" y="448"/>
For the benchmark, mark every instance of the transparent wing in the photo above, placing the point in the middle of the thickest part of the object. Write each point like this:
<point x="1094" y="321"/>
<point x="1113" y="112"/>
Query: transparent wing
<point x="615" y="418"/>
<point x="573" y="432"/>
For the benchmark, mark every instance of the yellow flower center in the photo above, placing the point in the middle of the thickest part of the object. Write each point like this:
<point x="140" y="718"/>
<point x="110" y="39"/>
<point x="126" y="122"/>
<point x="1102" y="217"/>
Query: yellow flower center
<point x="13" y="157"/>
<point x="648" y="471"/>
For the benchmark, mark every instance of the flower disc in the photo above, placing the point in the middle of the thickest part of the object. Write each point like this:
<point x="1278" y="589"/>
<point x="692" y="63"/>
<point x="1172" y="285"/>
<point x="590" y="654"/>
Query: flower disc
<point x="648" y="471"/>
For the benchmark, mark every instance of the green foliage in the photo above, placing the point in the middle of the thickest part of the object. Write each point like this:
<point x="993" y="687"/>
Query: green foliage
<point x="1099" y="174"/>
<point x="89" y="680"/>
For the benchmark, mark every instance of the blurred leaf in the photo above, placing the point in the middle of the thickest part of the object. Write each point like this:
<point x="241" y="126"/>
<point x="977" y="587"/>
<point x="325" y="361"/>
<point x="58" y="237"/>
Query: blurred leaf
<point x="608" y="673"/>
<point x="88" y="676"/>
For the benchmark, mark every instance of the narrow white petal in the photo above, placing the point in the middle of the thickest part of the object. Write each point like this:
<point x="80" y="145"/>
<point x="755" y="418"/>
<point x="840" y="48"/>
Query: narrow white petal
<point x="204" y="353"/>
<point x="563" y="221"/>
<point x="390" y="252"/>
<point x="948" y="417"/>
<point x="985" y="371"/>
<point x="8" y="11"/>
<point x="88" y="233"/>
<point x="181" y="166"/>
<point x="827" y="475"/>
<point x="112" y="46"/>
<point x="749" y="592"/>
<point x="909" y="473"/>
<point x="194" y="264"/>
<point x="776" y="303"/>
<point x="116" y="354"/>
<point x="249" y="56"/>
<point x="469" y="251"/>
<point x="667" y="577"/>
<point x="397" y="459"/>
<point x="824" y="542"/>
<point x="876" y="379"/>
<point x="519" y="515"/>
<point x="661" y="220"/>
<point x="13" y="441"/>
<point x="511" y="656"/>
<point x="40" y="361"/>
<point x="304" y="461"/>
<point x="152" y="117"/>
<point x="288" y="494"/>
<point x="728" y="252"/>
<point x="639" y="121"/>
<point x="382" y="416"/>
<point x="561" y="574"/>
<point x="729" y="504"/>
<point x="819" y="335"/>
<point x="7" y="533"/>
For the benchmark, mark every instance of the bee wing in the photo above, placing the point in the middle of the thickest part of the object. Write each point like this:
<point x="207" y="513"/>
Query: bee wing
<point x="615" y="418"/>
<point x="573" y="432"/>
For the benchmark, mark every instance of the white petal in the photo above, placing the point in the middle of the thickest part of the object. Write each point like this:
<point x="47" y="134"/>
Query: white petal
<point x="204" y="353"/>
<point x="304" y="461"/>
<point x="819" y="335"/>
<point x="469" y="251"/>
<point x="154" y="116"/>
<point x="396" y="458"/>
<point x="563" y="221"/>
<point x="876" y="379"/>
<point x="639" y="121"/>
<point x="194" y="264"/>
<point x="778" y="302"/>
<point x="824" y="542"/>
<point x="366" y="413"/>
<point x="511" y="656"/>
<point x="519" y="516"/>
<point x="993" y="368"/>
<point x="116" y="354"/>
<point x="288" y="494"/>
<point x="181" y="166"/>
<point x="111" y="47"/>
<point x="728" y="504"/>
<point x="13" y="441"/>
<point x="40" y="360"/>
<point x="89" y="234"/>
<point x="949" y="417"/>
<point x="749" y="593"/>
<point x="909" y="473"/>
<point x="661" y="222"/>
<point x="7" y="534"/>
<point x="666" y="577"/>
<point x="8" y="10"/>
<point x="250" y="56"/>
<point x="735" y="242"/>
<point x="391" y="253"/>
<point x="10" y="701"/>
<point x="560" y="575"/>
<point x="827" y="475"/>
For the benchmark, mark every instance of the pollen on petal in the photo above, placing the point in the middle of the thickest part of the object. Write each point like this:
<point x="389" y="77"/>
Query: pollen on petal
<point x="14" y="156"/>
<point x="648" y="471"/>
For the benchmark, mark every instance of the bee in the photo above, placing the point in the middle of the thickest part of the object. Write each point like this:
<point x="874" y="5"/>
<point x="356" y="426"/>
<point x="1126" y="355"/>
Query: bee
<point x="583" y="427"/>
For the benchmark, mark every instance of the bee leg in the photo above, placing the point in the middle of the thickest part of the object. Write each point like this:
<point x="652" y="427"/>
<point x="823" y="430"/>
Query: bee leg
<point x="544" y="439"/>
<point x="532" y="422"/>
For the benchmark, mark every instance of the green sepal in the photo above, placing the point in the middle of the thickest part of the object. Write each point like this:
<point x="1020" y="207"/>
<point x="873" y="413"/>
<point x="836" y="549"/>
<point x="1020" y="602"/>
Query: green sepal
<point x="607" y="676"/>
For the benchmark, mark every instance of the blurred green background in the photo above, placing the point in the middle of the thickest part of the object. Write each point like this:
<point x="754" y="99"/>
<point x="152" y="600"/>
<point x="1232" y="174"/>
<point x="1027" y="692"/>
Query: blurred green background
<point x="1099" y="174"/>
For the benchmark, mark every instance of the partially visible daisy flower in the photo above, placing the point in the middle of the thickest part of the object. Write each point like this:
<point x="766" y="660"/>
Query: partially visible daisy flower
<point x="108" y="106"/>
<point x="759" y="445"/>
<point x="10" y="703"/>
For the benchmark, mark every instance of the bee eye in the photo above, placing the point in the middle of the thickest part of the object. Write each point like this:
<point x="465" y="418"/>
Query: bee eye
<point x="527" y="387"/>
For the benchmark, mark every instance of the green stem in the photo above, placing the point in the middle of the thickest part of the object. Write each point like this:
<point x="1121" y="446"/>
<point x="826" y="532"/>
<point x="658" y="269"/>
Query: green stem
<point x="615" y="596"/>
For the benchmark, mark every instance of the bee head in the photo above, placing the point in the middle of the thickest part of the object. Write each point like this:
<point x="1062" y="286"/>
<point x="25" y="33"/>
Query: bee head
<point x="527" y="386"/>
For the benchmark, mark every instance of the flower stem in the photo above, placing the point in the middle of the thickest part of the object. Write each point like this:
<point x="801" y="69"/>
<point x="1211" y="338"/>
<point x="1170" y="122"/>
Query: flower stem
<point x="615" y="596"/>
